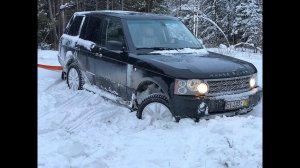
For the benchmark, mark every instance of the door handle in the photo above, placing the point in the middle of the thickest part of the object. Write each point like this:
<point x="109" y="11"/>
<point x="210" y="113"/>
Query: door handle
<point x="98" y="55"/>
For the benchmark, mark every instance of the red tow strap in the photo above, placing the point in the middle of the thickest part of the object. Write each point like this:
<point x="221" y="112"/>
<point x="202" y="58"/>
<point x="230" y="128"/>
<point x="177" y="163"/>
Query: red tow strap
<point x="54" y="68"/>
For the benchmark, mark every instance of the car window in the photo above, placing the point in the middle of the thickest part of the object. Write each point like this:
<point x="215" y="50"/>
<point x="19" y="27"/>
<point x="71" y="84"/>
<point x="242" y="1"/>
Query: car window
<point x="92" y="29"/>
<point x="69" y="24"/>
<point x="113" y="31"/>
<point x="74" y="28"/>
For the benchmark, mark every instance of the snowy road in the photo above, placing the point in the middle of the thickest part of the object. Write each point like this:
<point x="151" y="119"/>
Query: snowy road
<point x="81" y="129"/>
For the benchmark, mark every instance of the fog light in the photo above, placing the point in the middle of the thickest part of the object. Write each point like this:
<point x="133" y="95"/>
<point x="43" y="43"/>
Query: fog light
<point x="202" y="88"/>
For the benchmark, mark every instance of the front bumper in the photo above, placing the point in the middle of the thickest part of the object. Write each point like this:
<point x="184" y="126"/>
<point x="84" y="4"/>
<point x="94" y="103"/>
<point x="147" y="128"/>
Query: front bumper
<point x="192" y="107"/>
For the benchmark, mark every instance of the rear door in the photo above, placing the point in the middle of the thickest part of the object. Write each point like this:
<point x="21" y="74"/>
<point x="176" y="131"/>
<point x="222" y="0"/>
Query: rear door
<point x="69" y="38"/>
<point x="90" y="37"/>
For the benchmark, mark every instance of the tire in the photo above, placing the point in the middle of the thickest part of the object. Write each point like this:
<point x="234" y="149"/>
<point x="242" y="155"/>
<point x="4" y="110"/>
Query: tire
<point x="155" y="106"/>
<point x="63" y="75"/>
<point x="75" y="82"/>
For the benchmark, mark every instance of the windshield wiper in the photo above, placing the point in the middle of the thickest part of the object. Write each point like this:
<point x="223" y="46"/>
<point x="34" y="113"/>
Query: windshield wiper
<point x="157" y="48"/>
<point x="195" y="48"/>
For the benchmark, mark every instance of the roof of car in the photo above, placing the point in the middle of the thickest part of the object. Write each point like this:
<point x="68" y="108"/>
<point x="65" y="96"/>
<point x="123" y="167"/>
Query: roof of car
<point x="126" y="14"/>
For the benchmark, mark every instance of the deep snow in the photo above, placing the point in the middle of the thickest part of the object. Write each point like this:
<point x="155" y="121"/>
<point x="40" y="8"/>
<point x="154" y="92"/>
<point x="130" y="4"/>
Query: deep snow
<point x="81" y="129"/>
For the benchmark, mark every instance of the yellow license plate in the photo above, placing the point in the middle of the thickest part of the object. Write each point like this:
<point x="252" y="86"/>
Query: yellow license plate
<point x="236" y="104"/>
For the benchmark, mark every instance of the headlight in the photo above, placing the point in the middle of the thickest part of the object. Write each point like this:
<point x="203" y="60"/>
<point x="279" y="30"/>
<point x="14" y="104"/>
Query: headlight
<point x="202" y="88"/>
<point x="253" y="81"/>
<point x="193" y="84"/>
<point x="190" y="87"/>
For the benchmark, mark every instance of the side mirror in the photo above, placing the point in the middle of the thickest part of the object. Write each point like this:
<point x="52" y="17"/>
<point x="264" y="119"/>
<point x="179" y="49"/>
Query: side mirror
<point x="115" y="45"/>
<point x="95" y="48"/>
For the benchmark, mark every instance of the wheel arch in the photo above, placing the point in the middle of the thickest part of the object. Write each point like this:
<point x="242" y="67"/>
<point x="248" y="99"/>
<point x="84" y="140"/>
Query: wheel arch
<point x="69" y="59"/>
<point x="148" y="86"/>
<point x="147" y="81"/>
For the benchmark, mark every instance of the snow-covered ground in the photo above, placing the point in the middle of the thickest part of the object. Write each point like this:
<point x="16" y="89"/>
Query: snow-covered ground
<point x="81" y="129"/>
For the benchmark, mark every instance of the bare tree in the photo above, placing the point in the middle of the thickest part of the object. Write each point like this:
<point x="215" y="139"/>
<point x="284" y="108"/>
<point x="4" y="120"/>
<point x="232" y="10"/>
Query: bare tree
<point x="62" y="17"/>
<point x="149" y="5"/>
<point x="52" y="18"/>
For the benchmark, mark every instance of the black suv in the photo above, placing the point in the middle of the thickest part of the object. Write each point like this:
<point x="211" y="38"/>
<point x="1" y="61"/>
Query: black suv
<point x="155" y="65"/>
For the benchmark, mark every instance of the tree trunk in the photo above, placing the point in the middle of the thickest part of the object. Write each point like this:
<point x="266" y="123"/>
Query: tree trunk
<point x="107" y="4"/>
<point x="150" y="6"/>
<point x="63" y="20"/>
<point x="84" y="5"/>
<point x="77" y="5"/>
<point x="96" y="4"/>
<point x="122" y="5"/>
<point x="57" y="16"/>
<point x="54" y="36"/>
<point x="147" y="6"/>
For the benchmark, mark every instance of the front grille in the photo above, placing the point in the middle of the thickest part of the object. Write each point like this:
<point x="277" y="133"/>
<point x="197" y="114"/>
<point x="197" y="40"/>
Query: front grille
<point x="228" y="85"/>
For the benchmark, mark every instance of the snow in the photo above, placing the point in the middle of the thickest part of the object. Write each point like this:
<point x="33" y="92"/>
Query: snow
<point x="72" y="39"/>
<point x="75" y="39"/>
<point x="66" y="5"/>
<point x="48" y="57"/>
<point x="222" y="46"/>
<point x="85" y="43"/>
<point x="118" y="11"/>
<point x="111" y="11"/>
<point x="82" y="129"/>
<point x="83" y="13"/>
<point x="184" y="50"/>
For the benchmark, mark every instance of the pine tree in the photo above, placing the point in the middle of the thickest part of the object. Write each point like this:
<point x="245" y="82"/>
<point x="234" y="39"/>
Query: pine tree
<point x="44" y="26"/>
<point x="248" y="23"/>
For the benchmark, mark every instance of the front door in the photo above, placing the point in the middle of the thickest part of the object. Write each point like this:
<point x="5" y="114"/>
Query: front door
<point x="112" y="66"/>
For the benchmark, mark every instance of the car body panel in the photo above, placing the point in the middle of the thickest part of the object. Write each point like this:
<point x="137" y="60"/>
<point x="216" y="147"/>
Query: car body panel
<point x="193" y="66"/>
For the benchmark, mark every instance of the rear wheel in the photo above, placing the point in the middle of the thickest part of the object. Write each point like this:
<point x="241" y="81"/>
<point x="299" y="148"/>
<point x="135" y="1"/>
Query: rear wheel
<point x="75" y="80"/>
<point x="63" y="75"/>
<point x="156" y="107"/>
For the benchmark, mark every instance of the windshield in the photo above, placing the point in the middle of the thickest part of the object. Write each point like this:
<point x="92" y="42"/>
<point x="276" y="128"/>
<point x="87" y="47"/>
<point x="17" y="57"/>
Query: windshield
<point x="161" y="34"/>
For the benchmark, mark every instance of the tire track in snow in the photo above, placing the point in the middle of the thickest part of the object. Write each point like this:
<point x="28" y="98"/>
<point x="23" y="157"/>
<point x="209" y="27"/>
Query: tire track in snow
<point x="54" y="84"/>
<point x="81" y="112"/>
<point x="73" y="101"/>
<point x="83" y="118"/>
<point x="107" y="113"/>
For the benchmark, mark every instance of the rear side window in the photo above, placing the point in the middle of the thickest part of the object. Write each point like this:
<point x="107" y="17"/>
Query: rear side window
<point x="92" y="32"/>
<point x="75" y="25"/>
<point x="69" y="25"/>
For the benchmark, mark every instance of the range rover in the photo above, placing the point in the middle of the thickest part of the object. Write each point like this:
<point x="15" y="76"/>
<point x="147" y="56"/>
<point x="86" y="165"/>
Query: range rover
<point x="155" y="65"/>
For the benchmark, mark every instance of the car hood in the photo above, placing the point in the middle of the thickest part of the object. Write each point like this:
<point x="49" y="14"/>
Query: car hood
<point x="189" y="66"/>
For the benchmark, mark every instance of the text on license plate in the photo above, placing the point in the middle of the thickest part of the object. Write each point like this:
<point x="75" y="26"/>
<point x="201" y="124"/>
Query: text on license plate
<point x="236" y="104"/>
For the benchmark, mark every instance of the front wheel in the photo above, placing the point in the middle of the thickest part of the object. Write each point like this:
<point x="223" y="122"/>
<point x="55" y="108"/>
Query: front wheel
<point x="156" y="107"/>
